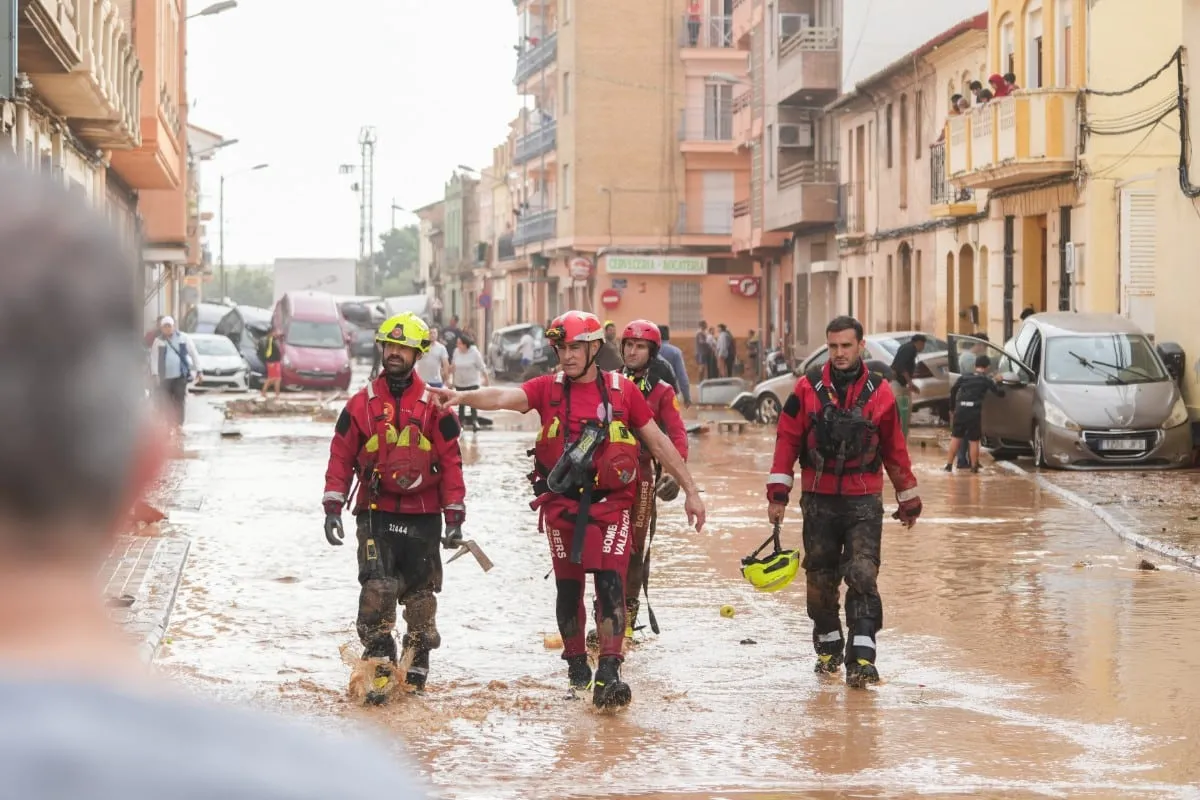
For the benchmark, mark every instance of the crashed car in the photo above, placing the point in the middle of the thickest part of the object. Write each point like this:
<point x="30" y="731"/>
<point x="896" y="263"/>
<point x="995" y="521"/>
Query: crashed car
<point x="932" y="378"/>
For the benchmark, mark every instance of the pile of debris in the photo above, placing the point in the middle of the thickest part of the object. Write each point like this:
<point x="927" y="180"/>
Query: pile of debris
<point x="318" y="408"/>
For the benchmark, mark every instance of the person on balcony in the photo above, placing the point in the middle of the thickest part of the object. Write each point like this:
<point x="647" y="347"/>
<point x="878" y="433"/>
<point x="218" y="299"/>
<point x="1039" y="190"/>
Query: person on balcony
<point x="1011" y="79"/>
<point x="1000" y="87"/>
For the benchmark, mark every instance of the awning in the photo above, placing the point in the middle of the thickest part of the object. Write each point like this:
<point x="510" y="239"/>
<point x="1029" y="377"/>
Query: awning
<point x="1037" y="202"/>
<point x="176" y="255"/>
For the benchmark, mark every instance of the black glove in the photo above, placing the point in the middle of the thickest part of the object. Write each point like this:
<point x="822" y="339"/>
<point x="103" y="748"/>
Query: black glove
<point x="453" y="538"/>
<point x="667" y="488"/>
<point x="334" y="534"/>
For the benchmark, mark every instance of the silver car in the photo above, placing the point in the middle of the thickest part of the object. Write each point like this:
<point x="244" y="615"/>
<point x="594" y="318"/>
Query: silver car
<point x="1083" y="391"/>
<point x="221" y="365"/>
<point x="932" y="377"/>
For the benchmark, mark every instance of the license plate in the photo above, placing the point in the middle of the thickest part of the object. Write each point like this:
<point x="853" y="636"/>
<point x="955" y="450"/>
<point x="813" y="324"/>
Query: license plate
<point x="1122" y="444"/>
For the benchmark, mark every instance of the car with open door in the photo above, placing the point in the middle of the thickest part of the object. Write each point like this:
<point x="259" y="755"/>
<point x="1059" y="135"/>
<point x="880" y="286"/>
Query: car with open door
<point x="1082" y="391"/>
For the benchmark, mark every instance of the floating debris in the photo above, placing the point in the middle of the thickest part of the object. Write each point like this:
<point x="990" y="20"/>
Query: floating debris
<point x="1146" y="565"/>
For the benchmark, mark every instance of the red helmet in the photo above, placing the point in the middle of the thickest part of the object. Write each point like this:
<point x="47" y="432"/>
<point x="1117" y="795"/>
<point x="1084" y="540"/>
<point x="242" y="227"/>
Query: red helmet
<point x="645" y="330"/>
<point x="575" y="326"/>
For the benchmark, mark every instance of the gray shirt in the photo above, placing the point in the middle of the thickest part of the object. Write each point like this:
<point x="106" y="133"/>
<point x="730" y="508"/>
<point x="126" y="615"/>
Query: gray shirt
<point x="468" y="367"/>
<point x="61" y="740"/>
<point x="429" y="366"/>
<point x="166" y="354"/>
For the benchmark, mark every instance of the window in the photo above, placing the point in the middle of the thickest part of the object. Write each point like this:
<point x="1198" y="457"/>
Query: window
<point x="566" y="10"/>
<point x="1101" y="360"/>
<point x="1008" y="45"/>
<point x="1063" y="69"/>
<point x="566" y="92"/>
<point x="818" y="251"/>
<point x="718" y="112"/>
<point x="870" y="165"/>
<point x="888" y="134"/>
<point x="903" y="151"/>
<point x="770" y="151"/>
<point x="684" y="305"/>
<point x="566" y="185"/>
<point x="919" y="113"/>
<point x="773" y="21"/>
<point x="1033" y="48"/>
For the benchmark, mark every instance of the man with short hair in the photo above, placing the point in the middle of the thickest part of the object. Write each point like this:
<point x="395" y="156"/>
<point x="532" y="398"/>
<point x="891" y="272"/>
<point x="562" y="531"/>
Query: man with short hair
<point x="840" y="422"/>
<point x="434" y="365"/>
<point x="175" y="363"/>
<point x="966" y="399"/>
<point x="904" y="367"/>
<point x="674" y="356"/>
<point x="81" y="448"/>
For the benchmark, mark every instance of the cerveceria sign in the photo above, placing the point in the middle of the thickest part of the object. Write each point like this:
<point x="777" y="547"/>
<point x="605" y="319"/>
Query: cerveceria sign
<point x="656" y="265"/>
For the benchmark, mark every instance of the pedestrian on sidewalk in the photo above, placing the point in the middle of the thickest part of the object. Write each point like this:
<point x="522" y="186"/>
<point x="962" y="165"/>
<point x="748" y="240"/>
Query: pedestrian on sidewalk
<point x="841" y="423"/>
<point x="74" y="692"/>
<point x="174" y="363"/>
<point x="468" y="372"/>
<point x="404" y="450"/>
<point x="966" y="420"/>
<point x="272" y="356"/>
<point x="433" y="366"/>
<point x="585" y="465"/>
<point x="904" y="367"/>
<point x="674" y="356"/>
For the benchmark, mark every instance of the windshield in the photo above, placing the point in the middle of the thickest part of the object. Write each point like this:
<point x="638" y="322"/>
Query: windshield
<point x="1113" y="358"/>
<point x="219" y="346"/>
<point x="324" y="335"/>
<point x="892" y="344"/>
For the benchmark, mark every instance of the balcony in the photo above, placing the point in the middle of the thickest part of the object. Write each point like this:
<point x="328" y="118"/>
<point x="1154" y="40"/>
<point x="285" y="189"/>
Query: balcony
<point x="807" y="62"/>
<point x="709" y="218"/>
<point x="805" y="196"/>
<point x="746" y="14"/>
<point x="851" y="213"/>
<point x="536" y="143"/>
<point x="98" y="93"/>
<point x="707" y="130"/>
<point x="536" y="58"/>
<point x="1013" y="140"/>
<point x="743" y="225"/>
<point x="743" y="118"/>
<point x="708" y="33"/>
<point x="48" y="37"/>
<point x="536" y="226"/>
<point x="946" y="200"/>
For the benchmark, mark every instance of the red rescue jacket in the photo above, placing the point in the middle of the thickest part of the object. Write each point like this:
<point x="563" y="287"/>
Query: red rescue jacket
<point x="664" y="405"/>
<point x="796" y="441"/>
<point x="405" y="455"/>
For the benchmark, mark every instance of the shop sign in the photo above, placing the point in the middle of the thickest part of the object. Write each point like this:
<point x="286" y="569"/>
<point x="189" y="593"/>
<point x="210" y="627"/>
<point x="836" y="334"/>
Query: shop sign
<point x="656" y="265"/>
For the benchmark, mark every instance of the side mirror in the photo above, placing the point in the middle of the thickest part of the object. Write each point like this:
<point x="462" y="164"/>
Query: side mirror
<point x="1011" y="379"/>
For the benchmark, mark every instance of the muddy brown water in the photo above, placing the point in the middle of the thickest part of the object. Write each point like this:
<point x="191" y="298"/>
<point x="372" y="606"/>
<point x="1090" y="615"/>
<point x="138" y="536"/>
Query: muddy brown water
<point x="1023" y="654"/>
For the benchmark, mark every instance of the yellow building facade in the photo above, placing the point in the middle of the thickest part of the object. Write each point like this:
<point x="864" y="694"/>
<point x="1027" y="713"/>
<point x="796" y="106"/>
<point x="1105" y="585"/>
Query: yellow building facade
<point x="1063" y="165"/>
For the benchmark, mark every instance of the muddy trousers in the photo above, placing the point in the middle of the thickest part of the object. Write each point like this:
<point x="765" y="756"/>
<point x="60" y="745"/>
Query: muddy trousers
<point x="610" y="614"/>
<point x="399" y="563"/>
<point x="645" y="514"/>
<point x="842" y="537"/>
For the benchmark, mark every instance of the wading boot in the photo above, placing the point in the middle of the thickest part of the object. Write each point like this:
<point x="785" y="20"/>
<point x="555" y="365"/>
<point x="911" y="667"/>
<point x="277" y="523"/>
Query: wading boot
<point x="579" y="674"/>
<point x="382" y="684"/>
<point x="860" y="673"/>
<point x="631" y="612"/>
<point x="828" y="663"/>
<point x="608" y="690"/>
<point x="593" y="639"/>
<point x="418" y="672"/>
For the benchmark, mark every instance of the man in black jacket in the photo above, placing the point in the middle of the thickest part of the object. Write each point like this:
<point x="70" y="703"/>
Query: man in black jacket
<point x="966" y="419"/>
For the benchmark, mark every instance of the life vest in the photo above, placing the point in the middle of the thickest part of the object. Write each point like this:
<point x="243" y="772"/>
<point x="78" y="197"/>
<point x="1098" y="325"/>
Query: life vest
<point x="615" y="463"/>
<point x="648" y="383"/>
<point x="400" y="455"/>
<point x="842" y="441"/>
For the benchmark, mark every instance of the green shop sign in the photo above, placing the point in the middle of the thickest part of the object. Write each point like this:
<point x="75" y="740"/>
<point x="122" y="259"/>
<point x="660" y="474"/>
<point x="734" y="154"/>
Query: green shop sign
<point x="656" y="265"/>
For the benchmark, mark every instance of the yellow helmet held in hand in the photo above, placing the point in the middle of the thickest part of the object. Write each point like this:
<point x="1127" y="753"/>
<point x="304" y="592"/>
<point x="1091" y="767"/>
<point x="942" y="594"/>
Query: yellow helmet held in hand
<point x="405" y="329"/>
<point x="776" y="570"/>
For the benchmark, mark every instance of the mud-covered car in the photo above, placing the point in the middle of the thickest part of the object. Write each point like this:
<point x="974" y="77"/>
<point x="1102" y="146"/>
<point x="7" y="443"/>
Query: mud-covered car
<point x="504" y="351"/>
<point x="932" y="378"/>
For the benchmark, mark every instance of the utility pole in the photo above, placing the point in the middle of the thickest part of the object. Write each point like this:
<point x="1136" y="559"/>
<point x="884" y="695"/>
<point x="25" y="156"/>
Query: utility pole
<point x="366" y="204"/>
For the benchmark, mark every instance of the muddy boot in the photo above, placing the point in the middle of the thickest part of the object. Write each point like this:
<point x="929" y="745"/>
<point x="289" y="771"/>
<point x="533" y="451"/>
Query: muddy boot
<point x="383" y="682"/>
<point x="593" y="639"/>
<point x="948" y="468"/>
<point x="631" y="612"/>
<point x="860" y="673"/>
<point x="828" y="663"/>
<point x="579" y="674"/>
<point x="975" y="468"/>
<point x="418" y="672"/>
<point x="608" y="690"/>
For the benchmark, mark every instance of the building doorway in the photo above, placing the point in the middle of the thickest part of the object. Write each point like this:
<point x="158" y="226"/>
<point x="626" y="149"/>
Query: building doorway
<point x="903" y="288"/>
<point x="951" y="315"/>
<point x="1033" y="263"/>
<point x="966" y="289"/>
<point x="983" y="289"/>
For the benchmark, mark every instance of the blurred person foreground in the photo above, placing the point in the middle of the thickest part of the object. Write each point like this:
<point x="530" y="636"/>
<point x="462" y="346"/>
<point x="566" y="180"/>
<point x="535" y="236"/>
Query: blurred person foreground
<point x="82" y="446"/>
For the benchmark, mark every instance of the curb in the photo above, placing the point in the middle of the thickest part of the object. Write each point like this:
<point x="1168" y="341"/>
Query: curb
<point x="168" y="568"/>
<point x="1123" y="530"/>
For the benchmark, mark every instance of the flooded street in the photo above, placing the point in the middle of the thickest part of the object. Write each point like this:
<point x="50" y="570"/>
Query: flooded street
<point x="1023" y="653"/>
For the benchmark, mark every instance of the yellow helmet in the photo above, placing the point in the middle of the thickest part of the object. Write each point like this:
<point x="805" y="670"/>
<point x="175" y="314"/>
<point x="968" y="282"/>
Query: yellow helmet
<point x="775" y="571"/>
<point x="405" y="329"/>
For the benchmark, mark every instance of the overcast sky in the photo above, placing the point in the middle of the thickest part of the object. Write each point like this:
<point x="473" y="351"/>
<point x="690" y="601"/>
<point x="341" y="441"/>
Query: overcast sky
<point x="295" y="80"/>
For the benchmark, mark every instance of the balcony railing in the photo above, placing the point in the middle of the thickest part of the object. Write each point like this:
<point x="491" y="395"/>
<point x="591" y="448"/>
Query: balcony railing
<point x="706" y="124"/>
<point x="535" y="143"/>
<point x="710" y="32"/>
<point x="505" y="250"/>
<point x="851" y="216"/>
<point x="941" y="191"/>
<point x="536" y="226"/>
<point x="57" y="23"/>
<point x="794" y="37"/>
<point x="536" y="58"/>
<point x="706" y="218"/>
<point x="808" y="172"/>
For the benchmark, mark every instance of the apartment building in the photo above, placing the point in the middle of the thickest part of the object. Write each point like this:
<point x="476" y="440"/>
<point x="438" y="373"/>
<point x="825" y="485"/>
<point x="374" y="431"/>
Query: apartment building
<point x="460" y="246"/>
<point x="896" y="215"/>
<point x="783" y="219"/>
<point x="1067" y="168"/>
<point x="626" y="167"/>
<point x="431" y="250"/>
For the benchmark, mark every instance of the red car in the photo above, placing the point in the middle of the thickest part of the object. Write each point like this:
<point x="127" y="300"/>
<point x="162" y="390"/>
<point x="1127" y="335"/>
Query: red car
<point x="314" y="341"/>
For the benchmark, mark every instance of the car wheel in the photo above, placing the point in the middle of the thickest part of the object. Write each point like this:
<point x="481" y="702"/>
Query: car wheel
<point x="1039" y="448"/>
<point x="767" y="410"/>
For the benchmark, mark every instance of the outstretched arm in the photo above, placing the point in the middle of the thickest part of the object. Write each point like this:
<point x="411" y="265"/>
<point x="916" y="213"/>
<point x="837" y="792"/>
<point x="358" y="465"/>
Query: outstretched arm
<point x="491" y="398"/>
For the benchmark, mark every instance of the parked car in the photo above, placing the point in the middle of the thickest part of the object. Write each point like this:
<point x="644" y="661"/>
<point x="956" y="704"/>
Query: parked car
<point x="246" y="326"/>
<point x="932" y="378"/>
<point x="504" y="354"/>
<point x="203" y="317"/>
<point x="221" y="365"/>
<point x="313" y="340"/>
<point x="1083" y="391"/>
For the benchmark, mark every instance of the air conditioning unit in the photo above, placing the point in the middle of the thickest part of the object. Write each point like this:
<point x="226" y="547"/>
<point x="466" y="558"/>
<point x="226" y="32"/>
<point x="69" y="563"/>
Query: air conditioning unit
<point x="791" y="24"/>
<point x="797" y="134"/>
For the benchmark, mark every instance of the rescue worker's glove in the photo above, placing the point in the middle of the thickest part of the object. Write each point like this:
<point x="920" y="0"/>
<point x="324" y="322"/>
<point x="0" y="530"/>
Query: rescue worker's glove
<point x="667" y="488"/>
<point x="910" y="508"/>
<point x="334" y="533"/>
<point x="454" y="518"/>
<point x="778" y="493"/>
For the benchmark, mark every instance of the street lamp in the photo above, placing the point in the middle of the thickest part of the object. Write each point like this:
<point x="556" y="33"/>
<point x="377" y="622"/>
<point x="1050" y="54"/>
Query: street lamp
<point x="396" y="208"/>
<point x="210" y="150"/>
<point x="221" y="227"/>
<point x="215" y="8"/>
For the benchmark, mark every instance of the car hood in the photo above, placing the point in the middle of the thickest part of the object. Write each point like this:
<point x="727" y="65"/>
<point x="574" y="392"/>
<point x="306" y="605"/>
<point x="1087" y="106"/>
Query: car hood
<point x="1134" y="406"/>
<point x="323" y="358"/>
<point x="220" y="362"/>
<point x="780" y="385"/>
